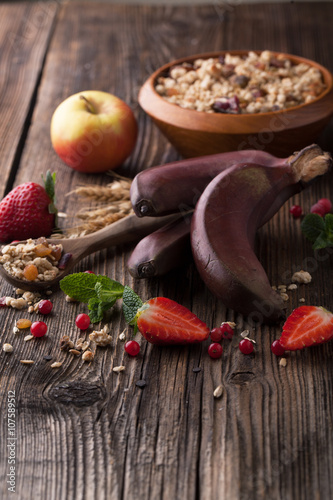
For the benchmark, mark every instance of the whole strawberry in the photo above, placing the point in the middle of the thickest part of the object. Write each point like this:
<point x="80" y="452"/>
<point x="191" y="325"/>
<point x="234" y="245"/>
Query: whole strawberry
<point x="28" y="211"/>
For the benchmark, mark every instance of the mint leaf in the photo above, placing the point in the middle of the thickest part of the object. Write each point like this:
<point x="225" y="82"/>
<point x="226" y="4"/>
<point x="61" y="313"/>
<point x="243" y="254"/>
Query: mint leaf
<point x="110" y="295"/>
<point x="321" y="242"/>
<point x="329" y="224"/>
<point x="313" y="227"/>
<point x="81" y="286"/>
<point x="97" y="309"/>
<point x="131" y="304"/>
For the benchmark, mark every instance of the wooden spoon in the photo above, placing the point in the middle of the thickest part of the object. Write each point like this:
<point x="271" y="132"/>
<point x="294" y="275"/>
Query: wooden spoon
<point x="128" y="229"/>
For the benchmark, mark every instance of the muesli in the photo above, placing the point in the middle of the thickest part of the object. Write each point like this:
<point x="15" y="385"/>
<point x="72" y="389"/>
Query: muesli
<point x="33" y="260"/>
<point x="234" y="84"/>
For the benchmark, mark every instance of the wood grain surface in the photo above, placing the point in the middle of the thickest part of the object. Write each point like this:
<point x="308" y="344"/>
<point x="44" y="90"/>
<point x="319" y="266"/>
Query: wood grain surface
<point x="85" y="432"/>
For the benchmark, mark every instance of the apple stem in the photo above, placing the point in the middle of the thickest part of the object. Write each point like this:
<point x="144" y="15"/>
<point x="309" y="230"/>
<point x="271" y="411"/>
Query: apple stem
<point x="89" y="106"/>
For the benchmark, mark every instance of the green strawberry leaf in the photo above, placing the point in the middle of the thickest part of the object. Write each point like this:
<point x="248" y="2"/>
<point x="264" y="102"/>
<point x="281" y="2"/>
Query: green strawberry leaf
<point x="131" y="304"/>
<point x="313" y="226"/>
<point x="49" y="184"/>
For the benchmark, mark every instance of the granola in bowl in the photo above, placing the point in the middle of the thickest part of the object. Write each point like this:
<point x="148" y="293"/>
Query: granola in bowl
<point x="237" y="84"/>
<point x="33" y="260"/>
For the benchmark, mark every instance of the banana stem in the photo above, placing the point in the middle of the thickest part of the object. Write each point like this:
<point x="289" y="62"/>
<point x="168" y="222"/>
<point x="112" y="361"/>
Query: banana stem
<point x="309" y="163"/>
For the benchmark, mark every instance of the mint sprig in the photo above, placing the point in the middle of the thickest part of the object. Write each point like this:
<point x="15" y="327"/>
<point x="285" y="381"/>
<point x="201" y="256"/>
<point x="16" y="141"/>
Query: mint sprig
<point x="101" y="293"/>
<point x="318" y="230"/>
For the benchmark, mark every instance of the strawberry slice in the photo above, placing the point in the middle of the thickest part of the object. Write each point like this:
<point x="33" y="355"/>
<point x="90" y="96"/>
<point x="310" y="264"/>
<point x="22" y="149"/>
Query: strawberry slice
<point x="306" y="326"/>
<point x="163" y="321"/>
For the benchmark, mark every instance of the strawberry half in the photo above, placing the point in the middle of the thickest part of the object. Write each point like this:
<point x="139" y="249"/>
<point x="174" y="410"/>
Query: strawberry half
<point x="163" y="321"/>
<point x="307" y="326"/>
<point x="28" y="211"/>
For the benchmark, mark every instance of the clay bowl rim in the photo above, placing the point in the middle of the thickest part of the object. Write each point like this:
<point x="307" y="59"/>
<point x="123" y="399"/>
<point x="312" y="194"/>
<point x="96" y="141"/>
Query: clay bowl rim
<point x="169" y="113"/>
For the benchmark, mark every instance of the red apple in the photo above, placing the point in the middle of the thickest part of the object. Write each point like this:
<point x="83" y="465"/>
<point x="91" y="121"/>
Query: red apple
<point x="93" y="131"/>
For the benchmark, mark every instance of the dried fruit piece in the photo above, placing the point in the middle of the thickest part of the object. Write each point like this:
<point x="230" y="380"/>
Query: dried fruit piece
<point x="30" y="272"/>
<point x="42" y="250"/>
<point x="23" y="323"/>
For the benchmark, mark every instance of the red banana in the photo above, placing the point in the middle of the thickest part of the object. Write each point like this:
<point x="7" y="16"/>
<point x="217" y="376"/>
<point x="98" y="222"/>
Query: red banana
<point x="162" y="250"/>
<point x="229" y="212"/>
<point x="177" y="186"/>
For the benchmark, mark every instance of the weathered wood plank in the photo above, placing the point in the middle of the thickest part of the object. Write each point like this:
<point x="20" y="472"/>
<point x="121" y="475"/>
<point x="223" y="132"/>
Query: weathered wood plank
<point x="85" y="432"/>
<point x="25" y="30"/>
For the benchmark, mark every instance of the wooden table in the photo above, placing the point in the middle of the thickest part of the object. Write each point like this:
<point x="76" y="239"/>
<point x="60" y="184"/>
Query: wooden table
<point x="85" y="432"/>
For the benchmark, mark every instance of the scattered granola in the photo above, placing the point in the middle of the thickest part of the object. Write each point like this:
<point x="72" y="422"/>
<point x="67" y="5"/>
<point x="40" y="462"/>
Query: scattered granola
<point x="283" y="362"/>
<point x="118" y="369"/>
<point x="20" y="303"/>
<point x="27" y="361"/>
<point x="56" y="364"/>
<point x="232" y="84"/>
<point x="293" y="286"/>
<point x="75" y="352"/>
<point x="302" y="299"/>
<point x="284" y="296"/>
<point x="218" y="391"/>
<point x="101" y="337"/>
<point x="66" y="343"/>
<point x="28" y="337"/>
<point x="301" y="277"/>
<point x="88" y="356"/>
<point x="7" y="348"/>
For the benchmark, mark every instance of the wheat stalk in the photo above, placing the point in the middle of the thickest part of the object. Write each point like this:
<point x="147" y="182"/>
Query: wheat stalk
<point x="114" y="204"/>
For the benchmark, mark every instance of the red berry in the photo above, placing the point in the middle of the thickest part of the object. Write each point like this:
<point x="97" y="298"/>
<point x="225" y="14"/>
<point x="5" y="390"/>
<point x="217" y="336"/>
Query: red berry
<point x="45" y="306"/>
<point x="296" y="211"/>
<point x="317" y="209"/>
<point x="82" y="321"/>
<point x="277" y="348"/>
<point x="246" y="346"/>
<point x="38" y="329"/>
<point x="216" y="334"/>
<point x="326" y="205"/>
<point x="132" y="348"/>
<point x="3" y="302"/>
<point x="215" y="350"/>
<point x="227" y="331"/>
<point x="89" y="272"/>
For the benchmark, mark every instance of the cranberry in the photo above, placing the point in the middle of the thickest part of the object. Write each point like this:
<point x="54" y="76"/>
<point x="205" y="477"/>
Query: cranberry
<point x="82" y="321"/>
<point x="216" y="334"/>
<point x="3" y="302"/>
<point x="246" y="346"/>
<point x="318" y="209"/>
<point x="215" y="350"/>
<point x="132" y="348"/>
<point x="277" y="348"/>
<point x="227" y="105"/>
<point x="45" y="306"/>
<point x="296" y="211"/>
<point x="325" y="204"/>
<point x="89" y="272"/>
<point x="38" y="329"/>
<point x="227" y="331"/>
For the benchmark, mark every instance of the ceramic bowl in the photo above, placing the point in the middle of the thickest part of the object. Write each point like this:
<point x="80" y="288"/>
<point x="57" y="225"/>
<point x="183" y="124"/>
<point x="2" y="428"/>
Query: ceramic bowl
<point x="196" y="133"/>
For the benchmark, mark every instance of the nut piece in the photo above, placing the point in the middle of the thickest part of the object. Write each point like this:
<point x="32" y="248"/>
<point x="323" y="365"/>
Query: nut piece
<point x="27" y="361"/>
<point x="301" y="277"/>
<point x="16" y="303"/>
<point x="56" y="364"/>
<point x="118" y="369"/>
<point x="75" y="352"/>
<point x="283" y="362"/>
<point x="28" y="337"/>
<point x="293" y="286"/>
<point x="88" y="356"/>
<point x="7" y="348"/>
<point x="66" y="343"/>
<point x="101" y="337"/>
<point x="218" y="391"/>
<point x="284" y="296"/>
